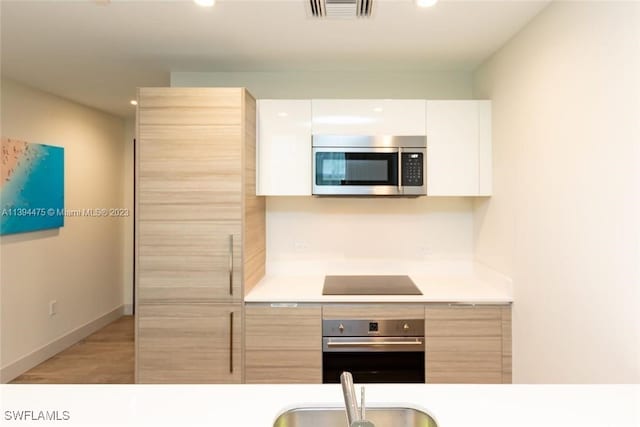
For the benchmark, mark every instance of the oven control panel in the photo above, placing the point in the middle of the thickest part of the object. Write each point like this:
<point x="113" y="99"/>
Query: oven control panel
<point x="367" y="327"/>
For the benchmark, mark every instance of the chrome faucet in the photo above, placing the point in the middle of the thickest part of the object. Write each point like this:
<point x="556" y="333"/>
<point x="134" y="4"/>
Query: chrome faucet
<point x="355" y="417"/>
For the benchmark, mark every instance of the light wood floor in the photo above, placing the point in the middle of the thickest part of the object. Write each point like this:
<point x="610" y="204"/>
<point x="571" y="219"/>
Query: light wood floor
<point x="105" y="357"/>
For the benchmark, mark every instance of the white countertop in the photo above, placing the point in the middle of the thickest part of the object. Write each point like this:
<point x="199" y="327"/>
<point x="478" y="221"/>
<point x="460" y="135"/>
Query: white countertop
<point x="462" y="282"/>
<point x="259" y="405"/>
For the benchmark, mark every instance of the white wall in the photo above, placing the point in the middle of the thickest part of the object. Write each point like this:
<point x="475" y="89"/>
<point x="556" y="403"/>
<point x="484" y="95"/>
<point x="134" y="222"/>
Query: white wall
<point x="80" y="265"/>
<point x="564" y="220"/>
<point x="337" y="84"/>
<point x="325" y="229"/>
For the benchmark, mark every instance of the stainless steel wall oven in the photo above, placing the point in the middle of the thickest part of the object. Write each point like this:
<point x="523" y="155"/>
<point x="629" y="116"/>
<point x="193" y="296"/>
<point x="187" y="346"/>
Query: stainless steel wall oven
<point x="374" y="351"/>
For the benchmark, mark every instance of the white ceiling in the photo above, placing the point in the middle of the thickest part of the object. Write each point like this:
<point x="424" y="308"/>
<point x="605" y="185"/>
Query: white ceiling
<point x="98" y="54"/>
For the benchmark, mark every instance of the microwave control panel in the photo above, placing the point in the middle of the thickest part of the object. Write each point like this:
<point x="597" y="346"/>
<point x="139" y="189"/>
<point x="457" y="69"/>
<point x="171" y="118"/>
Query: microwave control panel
<point x="412" y="169"/>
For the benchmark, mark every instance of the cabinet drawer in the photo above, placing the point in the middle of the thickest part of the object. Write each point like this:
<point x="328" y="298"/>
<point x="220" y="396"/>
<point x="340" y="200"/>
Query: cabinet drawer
<point x="463" y="322"/>
<point x="464" y="367"/>
<point x="283" y="328"/>
<point x="283" y="366"/>
<point x="372" y="311"/>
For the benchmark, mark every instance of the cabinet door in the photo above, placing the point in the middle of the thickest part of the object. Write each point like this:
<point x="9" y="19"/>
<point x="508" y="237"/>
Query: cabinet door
<point x="283" y="344"/>
<point x="189" y="343"/>
<point x="189" y="261"/>
<point x="368" y="116"/>
<point x="189" y="173"/>
<point x="464" y="344"/>
<point x="189" y="156"/>
<point x="189" y="189"/>
<point x="458" y="148"/>
<point x="284" y="147"/>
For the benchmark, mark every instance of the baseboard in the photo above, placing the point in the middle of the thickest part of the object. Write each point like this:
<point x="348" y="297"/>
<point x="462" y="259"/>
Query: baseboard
<point x="128" y="309"/>
<point x="20" y="366"/>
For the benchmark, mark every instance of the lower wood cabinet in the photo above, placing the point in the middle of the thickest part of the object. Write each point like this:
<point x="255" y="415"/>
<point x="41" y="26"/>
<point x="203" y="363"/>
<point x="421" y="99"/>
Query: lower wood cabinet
<point x="464" y="343"/>
<point x="468" y="344"/>
<point x="189" y="343"/>
<point x="283" y="344"/>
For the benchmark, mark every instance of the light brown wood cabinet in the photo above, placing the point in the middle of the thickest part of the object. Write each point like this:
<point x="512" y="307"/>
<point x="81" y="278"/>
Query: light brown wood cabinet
<point x="200" y="240"/>
<point x="189" y="343"/>
<point x="189" y="261"/>
<point x="283" y="344"/>
<point x="468" y="344"/>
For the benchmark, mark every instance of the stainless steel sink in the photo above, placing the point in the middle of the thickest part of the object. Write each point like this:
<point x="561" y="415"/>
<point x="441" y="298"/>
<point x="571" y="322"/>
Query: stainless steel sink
<point x="336" y="417"/>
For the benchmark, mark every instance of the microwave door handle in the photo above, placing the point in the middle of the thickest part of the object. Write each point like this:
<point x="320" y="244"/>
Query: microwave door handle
<point x="400" y="191"/>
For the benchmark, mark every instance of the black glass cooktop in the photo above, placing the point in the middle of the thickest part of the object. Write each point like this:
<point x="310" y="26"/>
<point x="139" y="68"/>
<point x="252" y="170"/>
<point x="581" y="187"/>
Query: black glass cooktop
<point x="369" y="285"/>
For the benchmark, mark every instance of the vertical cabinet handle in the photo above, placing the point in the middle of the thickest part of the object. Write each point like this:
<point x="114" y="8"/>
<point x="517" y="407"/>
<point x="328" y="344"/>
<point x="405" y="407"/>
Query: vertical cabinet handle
<point x="231" y="342"/>
<point x="230" y="264"/>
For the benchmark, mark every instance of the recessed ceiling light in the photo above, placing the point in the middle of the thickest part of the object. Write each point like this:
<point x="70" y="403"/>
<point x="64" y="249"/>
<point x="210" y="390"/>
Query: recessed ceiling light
<point x="133" y="102"/>
<point x="205" y="3"/>
<point x="426" y="3"/>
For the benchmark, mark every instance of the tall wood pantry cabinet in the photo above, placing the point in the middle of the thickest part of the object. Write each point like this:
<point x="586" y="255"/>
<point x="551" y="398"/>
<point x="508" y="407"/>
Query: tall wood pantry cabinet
<point x="200" y="235"/>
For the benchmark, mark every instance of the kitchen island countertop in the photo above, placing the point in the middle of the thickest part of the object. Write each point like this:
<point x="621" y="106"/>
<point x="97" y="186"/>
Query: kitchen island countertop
<point x="259" y="405"/>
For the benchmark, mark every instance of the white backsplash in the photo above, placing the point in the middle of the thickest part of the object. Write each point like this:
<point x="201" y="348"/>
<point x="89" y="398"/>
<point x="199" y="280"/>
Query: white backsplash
<point x="388" y="234"/>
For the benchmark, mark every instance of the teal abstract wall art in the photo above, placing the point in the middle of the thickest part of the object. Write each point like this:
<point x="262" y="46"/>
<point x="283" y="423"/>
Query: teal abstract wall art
<point x="32" y="187"/>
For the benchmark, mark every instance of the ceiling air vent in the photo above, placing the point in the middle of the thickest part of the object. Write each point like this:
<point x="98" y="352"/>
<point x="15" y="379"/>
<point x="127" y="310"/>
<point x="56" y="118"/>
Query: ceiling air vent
<point x="340" y="8"/>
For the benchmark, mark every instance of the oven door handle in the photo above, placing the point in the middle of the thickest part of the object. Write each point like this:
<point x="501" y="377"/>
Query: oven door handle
<point x="371" y="343"/>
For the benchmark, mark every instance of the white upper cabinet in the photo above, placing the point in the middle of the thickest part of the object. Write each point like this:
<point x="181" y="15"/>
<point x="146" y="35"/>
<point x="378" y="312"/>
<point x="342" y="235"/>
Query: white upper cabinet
<point x="284" y="147"/>
<point x="458" y="148"/>
<point x="458" y="139"/>
<point x="368" y="116"/>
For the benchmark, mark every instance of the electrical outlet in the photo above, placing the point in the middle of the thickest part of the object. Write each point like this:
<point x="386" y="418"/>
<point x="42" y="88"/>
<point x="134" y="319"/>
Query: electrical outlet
<point x="300" y="245"/>
<point x="53" y="308"/>
<point x="424" y="251"/>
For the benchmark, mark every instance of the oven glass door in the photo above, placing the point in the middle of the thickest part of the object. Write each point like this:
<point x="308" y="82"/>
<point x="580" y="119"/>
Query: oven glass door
<point x="356" y="167"/>
<point x="374" y="359"/>
<point x="375" y="367"/>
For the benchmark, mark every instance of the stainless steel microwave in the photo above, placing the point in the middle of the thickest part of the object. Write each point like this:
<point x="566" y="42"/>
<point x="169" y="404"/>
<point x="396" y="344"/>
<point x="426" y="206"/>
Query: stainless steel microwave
<point x="362" y="165"/>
